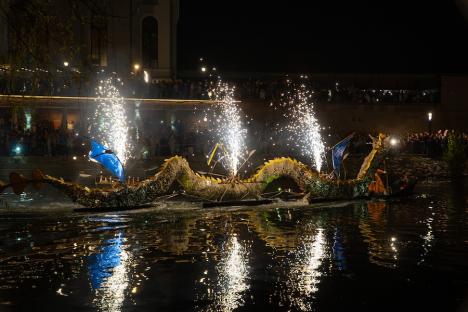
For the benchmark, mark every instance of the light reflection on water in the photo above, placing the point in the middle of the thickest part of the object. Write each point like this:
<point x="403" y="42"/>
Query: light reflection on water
<point x="382" y="244"/>
<point x="232" y="275"/>
<point x="304" y="272"/>
<point x="226" y="260"/>
<point x="109" y="270"/>
<point x="339" y="251"/>
<point x="429" y="236"/>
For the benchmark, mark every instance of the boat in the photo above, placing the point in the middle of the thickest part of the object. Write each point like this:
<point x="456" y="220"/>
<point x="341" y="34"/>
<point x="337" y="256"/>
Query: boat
<point x="176" y="171"/>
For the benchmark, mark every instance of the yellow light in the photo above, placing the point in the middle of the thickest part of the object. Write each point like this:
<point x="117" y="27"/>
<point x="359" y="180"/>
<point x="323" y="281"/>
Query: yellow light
<point x="146" y="76"/>
<point x="90" y="98"/>
<point x="429" y="116"/>
<point x="203" y="69"/>
<point x="393" y="141"/>
<point x="136" y="66"/>
<point x="65" y="64"/>
<point x="74" y="157"/>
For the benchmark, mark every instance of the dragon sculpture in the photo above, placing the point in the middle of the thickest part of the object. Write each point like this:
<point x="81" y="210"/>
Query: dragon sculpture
<point x="177" y="170"/>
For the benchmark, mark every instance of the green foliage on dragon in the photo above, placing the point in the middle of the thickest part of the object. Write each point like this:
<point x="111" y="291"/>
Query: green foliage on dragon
<point x="176" y="172"/>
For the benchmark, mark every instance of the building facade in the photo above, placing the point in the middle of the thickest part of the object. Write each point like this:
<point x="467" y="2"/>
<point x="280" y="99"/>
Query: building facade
<point x="120" y="36"/>
<point x="144" y="39"/>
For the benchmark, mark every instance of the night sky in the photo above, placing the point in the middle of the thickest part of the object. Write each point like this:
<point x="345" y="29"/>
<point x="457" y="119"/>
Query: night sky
<point x="358" y="36"/>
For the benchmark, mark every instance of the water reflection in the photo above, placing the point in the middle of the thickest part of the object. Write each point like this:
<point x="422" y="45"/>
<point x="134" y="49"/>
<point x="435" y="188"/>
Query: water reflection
<point x="429" y="236"/>
<point x="232" y="276"/>
<point x="276" y="228"/>
<point x="382" y="246"/>
<point x="289" y="258"/>
<point x="303" y="277"/>
<point x="310" y="258"/>
<point x="339" y="251"/>
<point x="109" y="274"/>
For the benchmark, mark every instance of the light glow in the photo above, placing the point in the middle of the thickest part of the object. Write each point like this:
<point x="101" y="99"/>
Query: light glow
<point x="109" y="125"/>
<point x="113" y="266"/>
<point x="233" y="275"/>
<point x="226" y="124"/>
<point x="28" y="117"/>
<point x="303" y="126"/>
<point x="305" y="273"/>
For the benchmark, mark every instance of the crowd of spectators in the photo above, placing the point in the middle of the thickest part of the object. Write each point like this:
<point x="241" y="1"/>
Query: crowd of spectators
<point x="40" y="140"/>
<point x="256" y="89"/>
<point x="433" y="144"/>
<point x="162" y="139"/>
<point x="273" y="90"/>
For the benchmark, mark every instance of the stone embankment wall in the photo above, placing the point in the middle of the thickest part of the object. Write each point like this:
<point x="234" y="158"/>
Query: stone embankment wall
<point x="418" y="166"/>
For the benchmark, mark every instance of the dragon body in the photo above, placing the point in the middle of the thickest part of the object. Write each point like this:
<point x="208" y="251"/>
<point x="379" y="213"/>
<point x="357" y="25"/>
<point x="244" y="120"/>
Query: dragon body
<point x="176" y="170"/>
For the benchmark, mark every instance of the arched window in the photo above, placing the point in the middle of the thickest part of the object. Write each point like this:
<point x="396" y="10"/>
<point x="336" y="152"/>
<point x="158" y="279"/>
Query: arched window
<point x="149" y="42"/>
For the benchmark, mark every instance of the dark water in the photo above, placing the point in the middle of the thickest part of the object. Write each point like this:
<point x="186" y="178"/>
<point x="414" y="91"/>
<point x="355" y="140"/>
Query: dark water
<point x="409" y="254"/>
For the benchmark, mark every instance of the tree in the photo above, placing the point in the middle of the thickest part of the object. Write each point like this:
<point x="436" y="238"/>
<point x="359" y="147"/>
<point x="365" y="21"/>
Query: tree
<point x="44" y="44"/>
<point x="456" y="155"/>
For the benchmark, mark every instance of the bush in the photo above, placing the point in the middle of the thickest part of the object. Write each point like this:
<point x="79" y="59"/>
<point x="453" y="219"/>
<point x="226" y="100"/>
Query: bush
<point x="456" y="154"/>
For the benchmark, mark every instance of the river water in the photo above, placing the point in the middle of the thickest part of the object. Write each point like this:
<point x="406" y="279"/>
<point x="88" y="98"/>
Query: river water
<point x="404" y="254"/>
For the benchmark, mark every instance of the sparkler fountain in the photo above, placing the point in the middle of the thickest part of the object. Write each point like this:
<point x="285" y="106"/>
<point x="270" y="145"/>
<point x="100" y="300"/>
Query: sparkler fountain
<point x="109" y="124"/>
<point x="226" y="126"/>
<point x="303" y="126"/>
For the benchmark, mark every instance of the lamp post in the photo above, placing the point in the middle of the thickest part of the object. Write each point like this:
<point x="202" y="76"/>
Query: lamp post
<point x="429" y="127"/>
<point x="429" y="122"/>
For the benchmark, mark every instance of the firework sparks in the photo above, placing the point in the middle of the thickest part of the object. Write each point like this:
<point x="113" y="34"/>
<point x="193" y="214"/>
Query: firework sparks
<point x="226" y="125"/>
<point x="303" y="125"/>
<point x="109" y="123"/>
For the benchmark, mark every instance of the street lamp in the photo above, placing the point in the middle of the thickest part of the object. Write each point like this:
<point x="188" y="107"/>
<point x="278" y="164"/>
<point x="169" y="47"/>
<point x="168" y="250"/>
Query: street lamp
<point x="65" y="64"/>
<point x="429" y="121"/>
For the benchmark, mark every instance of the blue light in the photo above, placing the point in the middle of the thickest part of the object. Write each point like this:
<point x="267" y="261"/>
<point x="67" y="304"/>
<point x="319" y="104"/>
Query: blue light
<point x="17" y="149"/>
<point x="101" y="264"/>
